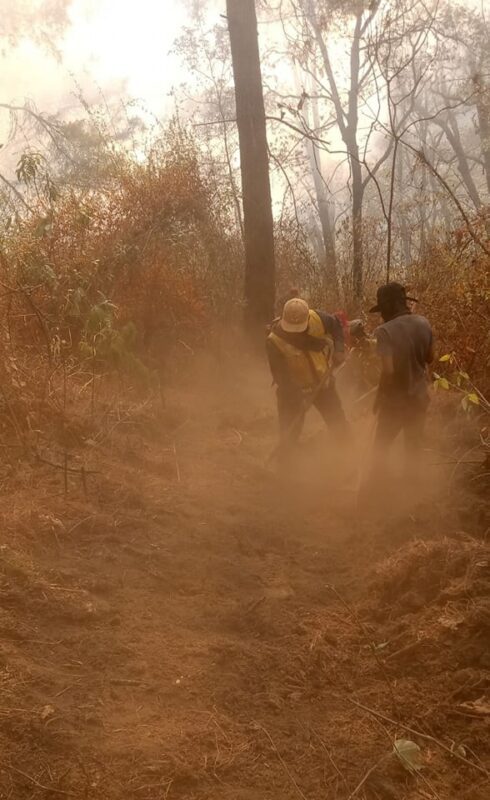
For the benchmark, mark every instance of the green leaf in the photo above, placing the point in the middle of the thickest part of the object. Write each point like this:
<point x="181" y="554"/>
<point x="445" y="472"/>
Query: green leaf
<point x="473" y="398"/>
<point x="441" y="383"/>
<point x="447" y="357"/>
<point x="409" y="754"/>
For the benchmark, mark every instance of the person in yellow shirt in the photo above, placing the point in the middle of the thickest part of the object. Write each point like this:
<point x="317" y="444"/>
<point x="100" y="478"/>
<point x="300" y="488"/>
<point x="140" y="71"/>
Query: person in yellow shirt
<point x="303" y="347"/>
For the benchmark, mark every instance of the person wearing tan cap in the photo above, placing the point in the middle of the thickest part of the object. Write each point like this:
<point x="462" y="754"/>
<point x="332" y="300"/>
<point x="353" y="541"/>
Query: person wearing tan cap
<point x="303" y="346"/>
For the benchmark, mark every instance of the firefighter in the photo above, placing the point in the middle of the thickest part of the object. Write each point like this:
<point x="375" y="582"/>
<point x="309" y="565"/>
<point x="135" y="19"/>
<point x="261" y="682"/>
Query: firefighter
<point x="303" y="347"/>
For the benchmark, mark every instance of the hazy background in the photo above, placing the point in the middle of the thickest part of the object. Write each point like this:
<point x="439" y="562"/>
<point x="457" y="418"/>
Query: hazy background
<point x="120" y="48"/>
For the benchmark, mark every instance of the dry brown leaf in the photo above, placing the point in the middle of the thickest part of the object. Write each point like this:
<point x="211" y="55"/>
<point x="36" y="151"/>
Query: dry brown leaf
<point x="47" y="712"/>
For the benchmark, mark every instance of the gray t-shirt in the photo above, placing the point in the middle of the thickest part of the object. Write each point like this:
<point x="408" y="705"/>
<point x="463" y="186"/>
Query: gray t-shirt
<point x="408" y="340"/>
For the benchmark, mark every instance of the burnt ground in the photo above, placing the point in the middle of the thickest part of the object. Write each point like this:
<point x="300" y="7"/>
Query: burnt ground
<point x="194" y="625"/>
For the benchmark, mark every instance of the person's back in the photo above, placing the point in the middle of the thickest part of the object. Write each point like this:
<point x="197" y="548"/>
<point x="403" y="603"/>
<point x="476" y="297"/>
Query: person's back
<point x="302" y="347"/>
<point x="405" y="348"/>
<point x="407" y="338"/>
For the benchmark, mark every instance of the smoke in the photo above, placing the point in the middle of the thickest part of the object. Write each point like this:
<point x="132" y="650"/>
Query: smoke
<point x="32" y="19"/>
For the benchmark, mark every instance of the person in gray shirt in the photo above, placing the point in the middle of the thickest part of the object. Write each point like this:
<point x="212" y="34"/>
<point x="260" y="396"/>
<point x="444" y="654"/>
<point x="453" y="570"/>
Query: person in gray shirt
<point x="405" y="347"/>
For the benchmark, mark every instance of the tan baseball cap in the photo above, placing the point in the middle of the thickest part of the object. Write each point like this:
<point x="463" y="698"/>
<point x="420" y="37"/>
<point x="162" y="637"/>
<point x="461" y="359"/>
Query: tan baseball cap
<point x="295" y="316"/>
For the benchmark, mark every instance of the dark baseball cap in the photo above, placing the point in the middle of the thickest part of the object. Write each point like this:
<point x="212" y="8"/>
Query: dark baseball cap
<point x="389" y="295"/>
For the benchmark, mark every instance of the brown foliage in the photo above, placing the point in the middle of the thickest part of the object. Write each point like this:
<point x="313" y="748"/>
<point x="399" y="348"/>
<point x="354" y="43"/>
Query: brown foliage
<point x="454" y="288"/>
<point x="152" y="249"/>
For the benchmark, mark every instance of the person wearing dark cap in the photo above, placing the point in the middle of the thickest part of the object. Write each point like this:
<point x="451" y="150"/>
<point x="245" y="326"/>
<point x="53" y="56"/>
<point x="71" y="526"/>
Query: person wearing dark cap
<point x="405" y="347"/>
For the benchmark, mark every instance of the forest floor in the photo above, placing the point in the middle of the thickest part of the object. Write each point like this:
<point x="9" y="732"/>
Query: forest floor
<point x="193" y="626"/>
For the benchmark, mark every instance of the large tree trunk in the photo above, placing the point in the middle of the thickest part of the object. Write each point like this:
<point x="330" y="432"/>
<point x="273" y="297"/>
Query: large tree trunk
<point x="483" y="109"/>
<point x="421" y="205"/>
<point x="254" y="163"/>
<point x="355" y="164"/>
<point x="357" y="237"/>
<point x="402" y="214"/>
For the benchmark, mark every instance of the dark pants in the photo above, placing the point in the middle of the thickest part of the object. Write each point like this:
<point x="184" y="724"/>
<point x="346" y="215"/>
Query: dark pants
<point x="403" y="417"/>
<point x="290" y="407"/>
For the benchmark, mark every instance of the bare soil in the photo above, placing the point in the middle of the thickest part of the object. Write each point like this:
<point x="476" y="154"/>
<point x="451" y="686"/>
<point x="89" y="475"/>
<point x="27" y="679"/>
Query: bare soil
<point x="194" y="625"/>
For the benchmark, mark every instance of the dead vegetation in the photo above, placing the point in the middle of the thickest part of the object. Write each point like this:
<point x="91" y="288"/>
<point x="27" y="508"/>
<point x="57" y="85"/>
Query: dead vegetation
<point x="174" y="622"/>
<point x="184" y="628"/>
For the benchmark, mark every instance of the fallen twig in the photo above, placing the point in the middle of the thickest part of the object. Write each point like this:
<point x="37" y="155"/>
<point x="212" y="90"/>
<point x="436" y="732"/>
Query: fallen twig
<point x="13" y="417"/>
<point x="370" y="644"/>
<point x="425" y="736"/>
<point x="66" y="689"/>
<point x="127" y="682"/>
<point x="419" y="775"/>
<point x="283" y="763"/>
<point x="330" y="758"/>
<point x="238" y="435"/>
<point x="404" y="650"/>
<point x="177" y="467"/>
<point x="71" y="470"/>
<point x="459" y="462"/>
<point x="36" y="782"/>
<point x="80" y="522"/>
<point x="368" y="775"/>
<point x="254" y="605"/>
<point x="473" y="788"/>
<point x="17" y="711"/>
<point x="454" y="461"/>
<point x="65" y="472"/>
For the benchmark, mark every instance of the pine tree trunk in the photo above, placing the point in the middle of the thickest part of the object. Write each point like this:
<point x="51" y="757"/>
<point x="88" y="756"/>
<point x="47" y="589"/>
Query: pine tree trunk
<point x="357" y="232"/>
<point x="402" y="215"/>
<point x="483" y="110"/>
<point x="453" y="136"/>
<point x="254" y="164"/>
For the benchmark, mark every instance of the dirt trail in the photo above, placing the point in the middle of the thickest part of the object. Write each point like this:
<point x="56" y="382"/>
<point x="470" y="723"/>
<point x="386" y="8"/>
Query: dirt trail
<point x="175" y="633"/>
